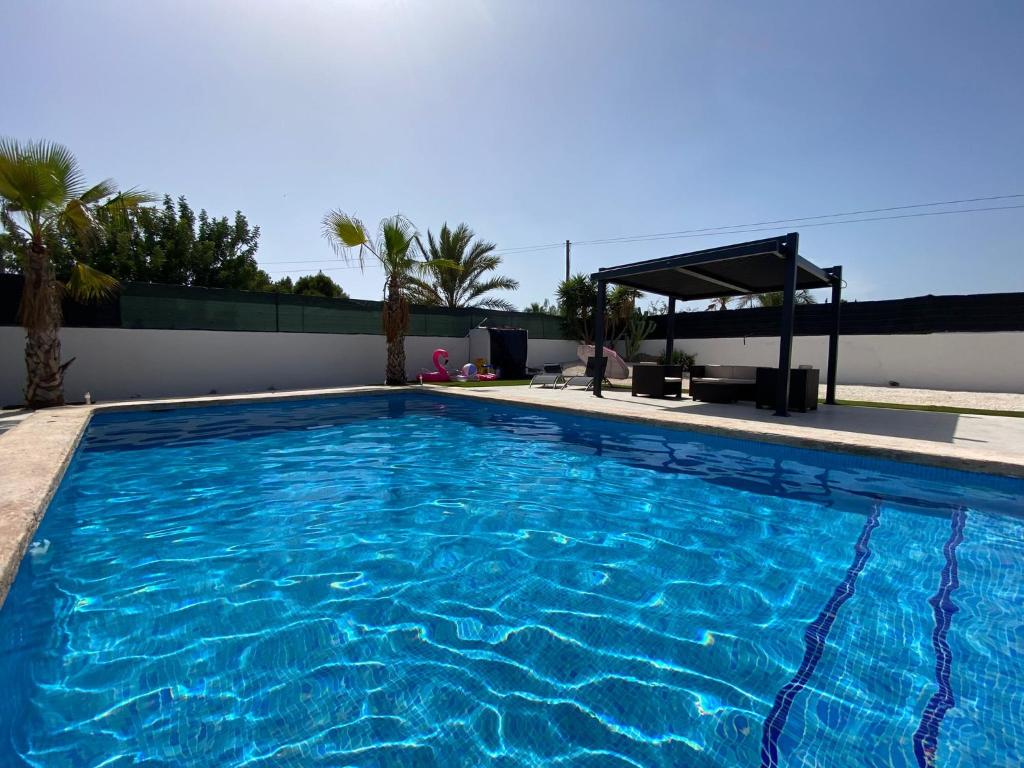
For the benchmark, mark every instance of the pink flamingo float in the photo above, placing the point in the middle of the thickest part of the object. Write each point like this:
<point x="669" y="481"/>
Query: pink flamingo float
<point x="440" y="361"/>
<point x="468" y="372"/>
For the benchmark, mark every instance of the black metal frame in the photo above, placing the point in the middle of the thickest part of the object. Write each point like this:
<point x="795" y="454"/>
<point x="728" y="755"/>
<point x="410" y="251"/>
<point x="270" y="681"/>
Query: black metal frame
<point x="786" y="248"/>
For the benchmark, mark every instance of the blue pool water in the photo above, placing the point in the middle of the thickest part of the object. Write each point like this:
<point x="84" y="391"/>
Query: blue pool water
<point x="408" y="580"/>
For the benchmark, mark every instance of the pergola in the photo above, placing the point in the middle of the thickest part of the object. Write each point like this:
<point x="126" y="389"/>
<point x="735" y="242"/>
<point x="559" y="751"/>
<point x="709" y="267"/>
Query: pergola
<point x="759" y="266"/>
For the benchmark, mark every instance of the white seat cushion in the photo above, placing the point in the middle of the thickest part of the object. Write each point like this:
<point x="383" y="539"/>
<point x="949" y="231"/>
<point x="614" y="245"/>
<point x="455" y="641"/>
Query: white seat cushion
<point x="722" y="381"/>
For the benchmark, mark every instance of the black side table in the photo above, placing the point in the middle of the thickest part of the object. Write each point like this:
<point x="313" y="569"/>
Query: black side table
<point x="803" y="388"/>
<point x="658" y="380"/>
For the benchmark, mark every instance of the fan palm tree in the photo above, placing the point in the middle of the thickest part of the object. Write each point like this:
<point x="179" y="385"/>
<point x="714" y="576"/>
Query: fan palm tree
<point x="454" y="272"/>
<point x="393" y="249"/>
<point x="42" y="192"/>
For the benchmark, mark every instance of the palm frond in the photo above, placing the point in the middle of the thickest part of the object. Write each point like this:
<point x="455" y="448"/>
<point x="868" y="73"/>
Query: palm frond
<point x="346" y="233"/>
<point x="35" y="177"/>
<point x="498" y="283"/>
<point x="101" y="191"/>
<point x="456" y="266"/>
<point x="61" y="163"/>
<point x="496" y="303"/>
<point x="79" y="217"/>
<point x="119" y="207"/>
<point x="421" y="292"/>
<point x="88" y="284"/>
<point x="129" y="199"/>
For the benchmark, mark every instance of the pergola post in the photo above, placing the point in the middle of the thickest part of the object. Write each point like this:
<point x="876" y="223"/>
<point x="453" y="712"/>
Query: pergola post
<point x="836" y="274"/>
<point x="602" y="296"/>
<point x="670" y="330"/>
<point x="789" y="251"/>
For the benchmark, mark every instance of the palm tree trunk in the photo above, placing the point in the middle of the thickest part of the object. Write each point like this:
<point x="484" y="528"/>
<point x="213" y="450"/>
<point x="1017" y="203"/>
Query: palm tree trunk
<point x="396" y="362"/>
<point x="41" y="317"/>
<point x="396" y="321"/>
<point x="45" y="384"/>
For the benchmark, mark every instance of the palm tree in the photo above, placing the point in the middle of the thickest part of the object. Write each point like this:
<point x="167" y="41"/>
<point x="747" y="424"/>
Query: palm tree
<point x="576" y="299"/>
<point x="619" y="308"/>
<point x="722" y="302"/>
<point x="775" y="298"/>
<point x="536" y="308"/>
<point x="392" y="248"/>
<point x="454" y="270"/>
<point x="42" y="191"/>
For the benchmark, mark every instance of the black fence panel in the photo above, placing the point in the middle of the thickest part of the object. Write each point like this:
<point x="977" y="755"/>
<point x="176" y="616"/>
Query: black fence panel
<point x="923" y="314"/>
<point x="101" y="314"/>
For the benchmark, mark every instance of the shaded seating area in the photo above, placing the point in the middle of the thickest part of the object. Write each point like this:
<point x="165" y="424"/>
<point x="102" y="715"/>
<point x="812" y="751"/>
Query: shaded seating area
<point x="742" y="269"/>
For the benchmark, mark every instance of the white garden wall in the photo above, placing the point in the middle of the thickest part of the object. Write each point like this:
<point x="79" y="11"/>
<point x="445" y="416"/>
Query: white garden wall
<point x="121" y="363"/>
<point x="972" y="362"/>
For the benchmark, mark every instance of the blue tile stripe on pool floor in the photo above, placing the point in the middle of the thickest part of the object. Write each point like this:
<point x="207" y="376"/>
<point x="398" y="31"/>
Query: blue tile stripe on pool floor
<point x="926" y="737"/>
<point x="815" y="638"/>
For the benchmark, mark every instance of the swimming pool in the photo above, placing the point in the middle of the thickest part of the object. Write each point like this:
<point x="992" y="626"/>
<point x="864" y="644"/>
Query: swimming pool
<point x="415" y="580"/>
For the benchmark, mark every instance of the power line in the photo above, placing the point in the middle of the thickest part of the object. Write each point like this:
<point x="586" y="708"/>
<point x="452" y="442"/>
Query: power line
<point x="663" y="235"/>
<point x="525" y="248"/>
<point x="731" y="229"/>
<point x="371" y="263"/>
<point x="832" y="223"/>
<point x="716" y="230"/>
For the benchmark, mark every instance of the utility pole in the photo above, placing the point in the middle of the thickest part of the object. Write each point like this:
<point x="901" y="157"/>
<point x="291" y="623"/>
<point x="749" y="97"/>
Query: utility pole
<point x="568" y="249"/>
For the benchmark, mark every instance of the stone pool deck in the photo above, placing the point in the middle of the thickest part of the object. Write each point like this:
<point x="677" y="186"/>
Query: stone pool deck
<point x="36" y="450"/>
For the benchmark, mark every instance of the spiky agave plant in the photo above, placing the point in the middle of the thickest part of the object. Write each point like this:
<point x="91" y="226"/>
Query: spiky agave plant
<point x="42" y="191"/>
<point x="393" y="250"/>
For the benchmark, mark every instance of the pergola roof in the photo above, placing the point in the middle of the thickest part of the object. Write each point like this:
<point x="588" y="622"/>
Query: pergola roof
<point x="758" y="266"/>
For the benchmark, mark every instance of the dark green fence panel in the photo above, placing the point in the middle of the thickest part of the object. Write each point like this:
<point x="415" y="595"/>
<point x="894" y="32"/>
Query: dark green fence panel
<point x="179" y="307"/>
<point x="146" y="305"/>
<point x="311" y="314"/>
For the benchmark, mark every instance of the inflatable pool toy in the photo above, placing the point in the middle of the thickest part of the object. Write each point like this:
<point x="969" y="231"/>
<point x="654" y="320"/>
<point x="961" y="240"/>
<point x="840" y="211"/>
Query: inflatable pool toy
<point x="440" y="361"/>
<point x="39" y="549"/>
<point x="469" y="372"/>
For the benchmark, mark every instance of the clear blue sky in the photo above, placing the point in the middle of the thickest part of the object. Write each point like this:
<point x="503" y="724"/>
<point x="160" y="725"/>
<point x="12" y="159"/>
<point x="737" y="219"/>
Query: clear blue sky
<point x="540" y="121"/>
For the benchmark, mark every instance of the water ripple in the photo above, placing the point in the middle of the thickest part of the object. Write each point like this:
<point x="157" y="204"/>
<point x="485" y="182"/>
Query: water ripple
<point x="407" y="581"/>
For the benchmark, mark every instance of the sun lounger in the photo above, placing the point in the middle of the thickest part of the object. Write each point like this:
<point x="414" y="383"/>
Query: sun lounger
<point x="587" y="379"/>
<point x="552" y="376"/>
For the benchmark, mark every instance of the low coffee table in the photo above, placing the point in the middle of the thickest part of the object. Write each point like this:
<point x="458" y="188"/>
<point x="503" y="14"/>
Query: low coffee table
<point x="715" y="391"/>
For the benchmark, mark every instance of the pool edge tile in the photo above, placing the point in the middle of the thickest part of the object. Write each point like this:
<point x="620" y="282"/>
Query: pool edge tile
<point x="33" y="458"/>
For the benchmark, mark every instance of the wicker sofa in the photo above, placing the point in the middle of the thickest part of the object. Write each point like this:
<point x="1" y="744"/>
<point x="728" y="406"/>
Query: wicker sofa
<point x="723" y="383"/>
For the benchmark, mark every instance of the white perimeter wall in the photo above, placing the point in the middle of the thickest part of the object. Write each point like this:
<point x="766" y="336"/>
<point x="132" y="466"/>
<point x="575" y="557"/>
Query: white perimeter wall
<point x="970" y="362"/>
<point x="121" y="363"/>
